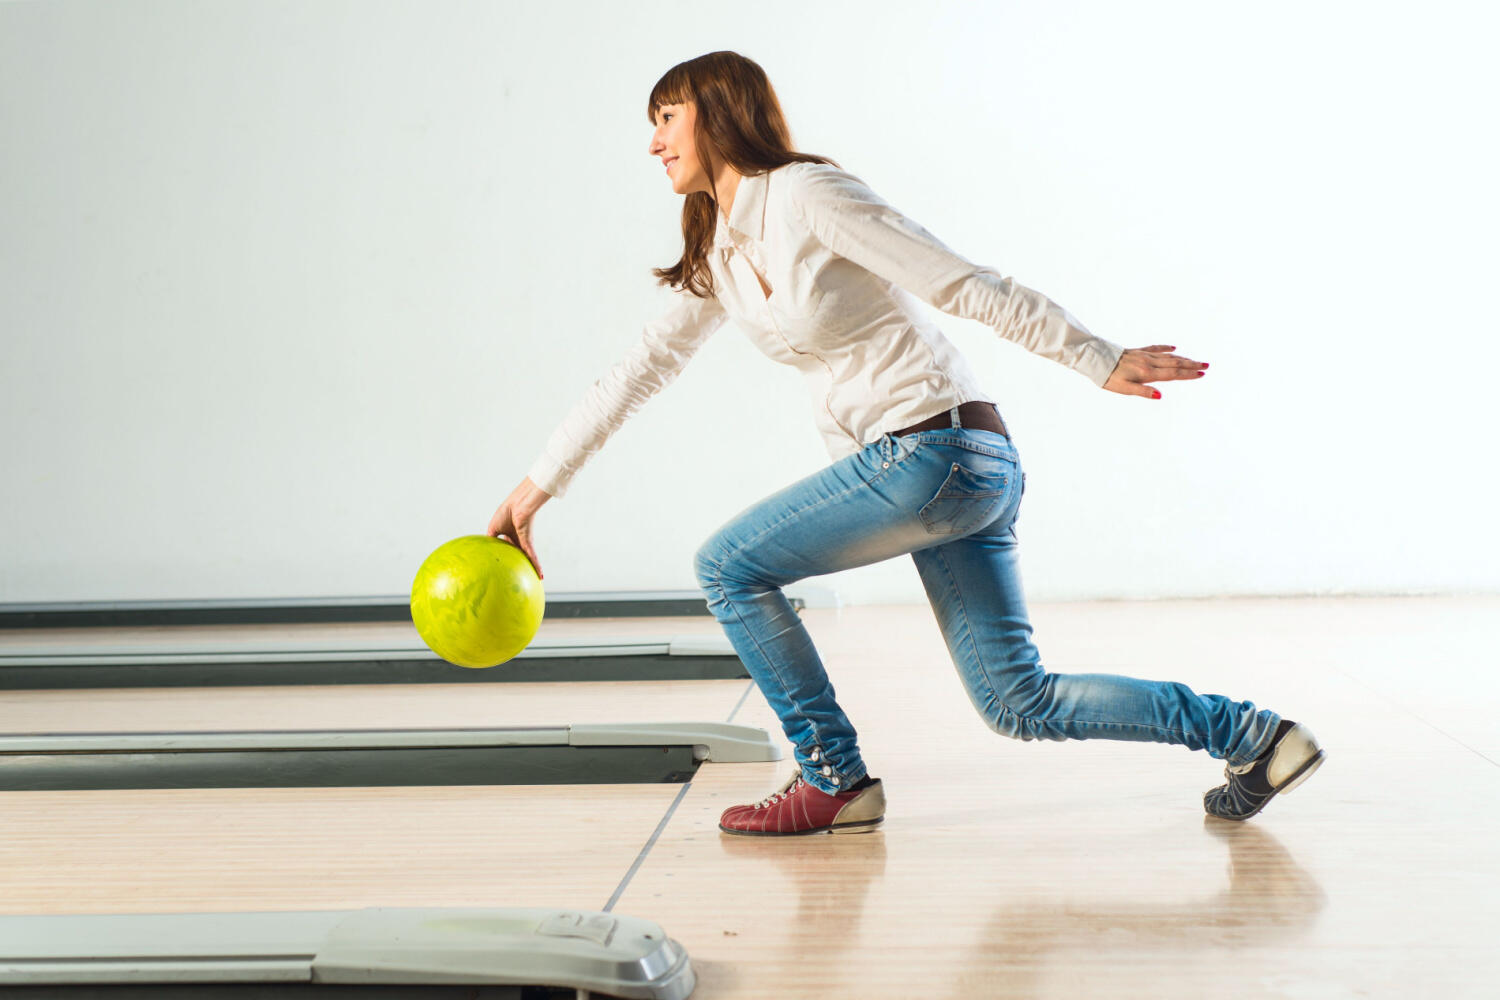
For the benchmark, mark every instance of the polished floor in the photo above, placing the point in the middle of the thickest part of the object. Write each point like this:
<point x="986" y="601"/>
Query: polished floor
<point x="1003" y="869"/>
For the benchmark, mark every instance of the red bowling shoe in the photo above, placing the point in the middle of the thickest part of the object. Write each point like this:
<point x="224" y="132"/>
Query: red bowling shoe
<point x="798" y="808"/>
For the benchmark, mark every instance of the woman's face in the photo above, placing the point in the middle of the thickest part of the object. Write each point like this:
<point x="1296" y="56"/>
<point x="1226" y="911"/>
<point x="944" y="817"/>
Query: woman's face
<point x="673" y="143"/>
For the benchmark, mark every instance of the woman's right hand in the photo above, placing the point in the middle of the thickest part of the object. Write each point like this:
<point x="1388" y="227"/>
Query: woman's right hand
<point x="512" y="519"/>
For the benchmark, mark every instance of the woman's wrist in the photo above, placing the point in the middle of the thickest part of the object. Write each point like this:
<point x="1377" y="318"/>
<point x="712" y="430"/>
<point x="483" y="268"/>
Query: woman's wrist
<point x="530" y="496"/>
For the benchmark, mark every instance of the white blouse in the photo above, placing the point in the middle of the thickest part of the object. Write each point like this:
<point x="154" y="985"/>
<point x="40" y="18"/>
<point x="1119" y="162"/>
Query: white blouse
<point x="840" y="263"/>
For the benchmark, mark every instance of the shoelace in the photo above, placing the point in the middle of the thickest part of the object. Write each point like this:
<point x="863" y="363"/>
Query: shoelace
<point x="778" y="796"/>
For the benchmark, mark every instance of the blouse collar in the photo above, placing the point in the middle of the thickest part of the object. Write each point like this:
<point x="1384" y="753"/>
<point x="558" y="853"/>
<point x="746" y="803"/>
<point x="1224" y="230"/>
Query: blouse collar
<point x="747" y="216"/>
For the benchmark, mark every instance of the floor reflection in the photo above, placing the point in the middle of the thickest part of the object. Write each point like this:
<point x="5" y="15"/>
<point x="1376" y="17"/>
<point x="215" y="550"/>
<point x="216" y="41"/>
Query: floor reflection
<point x="1024" y="950"/>
<point x="1035" y="946"/>
<point x="833" y="876"/>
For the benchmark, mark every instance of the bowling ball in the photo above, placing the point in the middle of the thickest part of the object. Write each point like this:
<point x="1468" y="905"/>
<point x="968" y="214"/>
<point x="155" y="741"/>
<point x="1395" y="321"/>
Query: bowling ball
<point x="477" y="601"/>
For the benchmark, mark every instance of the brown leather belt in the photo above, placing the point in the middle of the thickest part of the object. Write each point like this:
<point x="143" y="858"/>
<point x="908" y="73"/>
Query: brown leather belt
<point x="979" y="416"/>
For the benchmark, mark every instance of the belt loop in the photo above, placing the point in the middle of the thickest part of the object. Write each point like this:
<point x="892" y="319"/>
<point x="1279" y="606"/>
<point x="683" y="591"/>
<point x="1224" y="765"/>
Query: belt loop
<point x="953" y="415"/>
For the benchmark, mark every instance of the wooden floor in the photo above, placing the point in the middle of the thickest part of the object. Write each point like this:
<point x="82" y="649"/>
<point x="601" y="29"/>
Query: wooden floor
<point x="1003" y="869"/>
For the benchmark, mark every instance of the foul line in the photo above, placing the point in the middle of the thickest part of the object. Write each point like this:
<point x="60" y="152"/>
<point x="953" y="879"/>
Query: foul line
<point x="647" y="849"/>
<point x="656" y="834"/>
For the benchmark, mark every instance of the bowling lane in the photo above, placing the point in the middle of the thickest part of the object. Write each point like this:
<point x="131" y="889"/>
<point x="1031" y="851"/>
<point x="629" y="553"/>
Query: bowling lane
<point x="356" y="706"/>
<point x="326" y="634"/>
<point x="335" y="848"/>
<point x="197" y="850"/>
<point x="1087" y="868"/>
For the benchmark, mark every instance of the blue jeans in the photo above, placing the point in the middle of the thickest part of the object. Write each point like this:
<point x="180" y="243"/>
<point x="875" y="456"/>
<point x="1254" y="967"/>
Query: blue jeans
<point x="949" y="497"/>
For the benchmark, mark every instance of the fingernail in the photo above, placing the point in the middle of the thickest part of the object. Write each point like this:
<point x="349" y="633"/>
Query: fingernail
<point x="1155" y="394"/>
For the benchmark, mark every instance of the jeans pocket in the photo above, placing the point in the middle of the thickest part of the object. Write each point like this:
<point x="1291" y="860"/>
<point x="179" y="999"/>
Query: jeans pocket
<point x="968" y="499"/>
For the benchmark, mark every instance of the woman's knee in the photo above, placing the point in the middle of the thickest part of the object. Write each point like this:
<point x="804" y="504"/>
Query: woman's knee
<point x="1011" y="724"/>
<point x="708" y="563"/>
<point x="1018" y="710"/>
<point x="720" y="563"/>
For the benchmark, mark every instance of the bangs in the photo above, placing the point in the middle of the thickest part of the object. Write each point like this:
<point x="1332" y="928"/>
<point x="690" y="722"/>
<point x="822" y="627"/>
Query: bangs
<point x="673" y="88"/>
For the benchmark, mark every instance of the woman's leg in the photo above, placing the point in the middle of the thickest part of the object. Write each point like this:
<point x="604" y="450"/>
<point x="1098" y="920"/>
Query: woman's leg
<point x="974" y="586"/>
<point x="861" y="510"/>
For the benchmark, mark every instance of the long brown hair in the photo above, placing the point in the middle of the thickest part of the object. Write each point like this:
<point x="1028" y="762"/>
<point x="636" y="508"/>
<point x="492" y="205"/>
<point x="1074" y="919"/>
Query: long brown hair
<point x="739" y="122"/>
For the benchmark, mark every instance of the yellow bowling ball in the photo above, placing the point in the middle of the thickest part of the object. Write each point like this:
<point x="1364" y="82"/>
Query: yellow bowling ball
<point x="477" y="601"/>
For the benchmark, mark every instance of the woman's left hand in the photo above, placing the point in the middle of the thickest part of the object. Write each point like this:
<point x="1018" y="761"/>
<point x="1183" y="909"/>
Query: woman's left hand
<point x="1157" y="363"/>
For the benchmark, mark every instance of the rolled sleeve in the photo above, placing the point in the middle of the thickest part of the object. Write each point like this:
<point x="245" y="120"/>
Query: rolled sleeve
<point x="666" y="345"/>
<point x="851" y="220"/>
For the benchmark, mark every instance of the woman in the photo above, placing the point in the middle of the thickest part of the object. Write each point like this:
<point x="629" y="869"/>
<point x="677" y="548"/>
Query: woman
<point x="819" y="271"/>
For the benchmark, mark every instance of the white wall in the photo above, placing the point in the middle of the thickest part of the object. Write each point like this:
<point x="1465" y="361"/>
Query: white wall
<point x="292" y="292"/>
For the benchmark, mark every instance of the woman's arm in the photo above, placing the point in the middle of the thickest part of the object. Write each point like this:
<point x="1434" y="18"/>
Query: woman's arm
<point x="854" y="222"/>
<point x="666" y="345"/>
